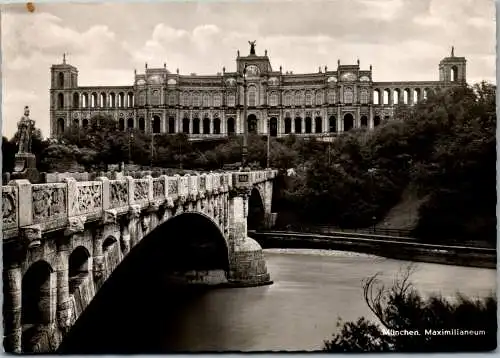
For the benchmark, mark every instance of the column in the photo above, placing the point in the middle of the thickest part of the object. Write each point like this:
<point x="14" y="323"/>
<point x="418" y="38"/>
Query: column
<point x="293" y="124"/>
<point x="340" y="127"/>
<point x="313" y="124"/>
<point x="12" y="306"/>
<point x="190" y="125"/>
<point x="303" y="126"/>
<point x="211" y="126"/>
<point x="98" y="258"/>
<point x="358" y="118"/>
<point x="370" y="122"/>
<point x="63" y="302"/>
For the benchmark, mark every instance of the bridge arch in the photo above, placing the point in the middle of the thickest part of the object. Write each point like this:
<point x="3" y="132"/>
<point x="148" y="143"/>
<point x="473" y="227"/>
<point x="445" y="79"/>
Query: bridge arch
<point x="38" y="303"/>
<point x="256" y="210"/>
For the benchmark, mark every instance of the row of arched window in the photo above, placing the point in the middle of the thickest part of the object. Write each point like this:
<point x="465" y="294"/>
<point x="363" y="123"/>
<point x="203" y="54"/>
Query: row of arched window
<point x="95" y="100"/>
<point x="208" y="126"/>
<point x="398" y="96"/>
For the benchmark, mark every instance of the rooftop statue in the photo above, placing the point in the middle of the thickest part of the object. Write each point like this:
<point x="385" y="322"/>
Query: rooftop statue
<point x="252" y="47"/>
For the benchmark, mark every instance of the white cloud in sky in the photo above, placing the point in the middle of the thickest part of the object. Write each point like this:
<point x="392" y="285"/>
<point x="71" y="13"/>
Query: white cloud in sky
<point x="402" y="39"/>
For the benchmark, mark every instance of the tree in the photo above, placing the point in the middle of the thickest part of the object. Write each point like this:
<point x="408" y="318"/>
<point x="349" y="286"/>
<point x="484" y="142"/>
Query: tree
<point x="401" y="309"/>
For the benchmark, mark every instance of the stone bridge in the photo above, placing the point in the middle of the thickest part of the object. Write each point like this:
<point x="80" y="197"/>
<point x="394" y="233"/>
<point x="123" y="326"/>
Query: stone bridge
<point x="61" y="242"/>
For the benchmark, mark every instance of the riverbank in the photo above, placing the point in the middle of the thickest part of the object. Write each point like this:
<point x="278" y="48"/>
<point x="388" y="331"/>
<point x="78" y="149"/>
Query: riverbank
<point x="411" y="251"/>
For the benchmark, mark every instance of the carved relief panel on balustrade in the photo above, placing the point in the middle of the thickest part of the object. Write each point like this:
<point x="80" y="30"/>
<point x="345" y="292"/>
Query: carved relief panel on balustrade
<point x="159" y="189"/>
<point x="118" y="195"/>
<point x="141" y="191"/>
<point x="10" y="204"/>
<point x="49" y="206"/>
<point x="86" y="199"/>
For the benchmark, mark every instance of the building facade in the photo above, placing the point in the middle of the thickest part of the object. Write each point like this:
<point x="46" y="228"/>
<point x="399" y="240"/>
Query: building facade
<point x="325" y="103"/>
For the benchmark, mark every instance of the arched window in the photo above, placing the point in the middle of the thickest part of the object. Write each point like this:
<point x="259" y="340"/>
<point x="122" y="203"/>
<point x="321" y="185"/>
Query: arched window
<point x="185" y="125"/>
<point x="319" y="98"/>
<point x="142" y="124"/>
<point x="142" y="98"/>
<point x="376" y="96"/>
<point x="121" y="100"/>
<point x="363" y="96"/>
<point x="196" y="99"/>
<point x="288" y="99"/>
<point x="376" y="121"/>
<point x="130" y="123"/>
<point x="348" y="95"/>
<point x="318" y="123"/>
<point x="348" y="122"/>
<point x="230" y="126"/>
<point x="121" y="124"/>
<point x="416" y="95"/>
<point x="171" y="99"/>
<point x="231" y="100"/>
<point x="454" y="73"/>
<point x="93" y="100"/>
<point x="252" y="124"/>
<point x="308" y="98"/>
<point x="426" y="93"/>
<point x="85" y="100"/>
<point x="331" y="97"/>
<point x="298" y="99"/>
<point x="273" y="99"/>
<point x="252" y="96"/>
<point x="395" y="96"/>
<point x="61" y="79"/>
<point x="206" y="100"/>
<point x="60" y="101"/>
<point x="332" y="124"/>
<point x="130" y="99"/>
<point x="196" y="126"/>
<point x="216" y="125"/>
<point x="387" y="96"/>
<point x="217" y="100"/>
<point x="206" y="125"/>
<point x="288" y="125"/>
<point x="308" y="125"/>
<point x="60" y="126"/>
<point x="171" y="125"/>
<point x="76" y="100"/>
<point x="185" y="99"/>
<point x="406" y="96"/>
<point x="112" y="100"/>
<point x="156" y="124"/>
<point x="298" y="125"/>
<point x="85" y="123"/>
<point x="102" y="100"/>
<point x="364" y="121"/>
<point x="155" y="97"/>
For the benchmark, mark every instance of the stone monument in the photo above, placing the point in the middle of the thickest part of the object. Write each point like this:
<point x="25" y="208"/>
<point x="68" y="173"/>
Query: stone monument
<point x="25" y="161"/>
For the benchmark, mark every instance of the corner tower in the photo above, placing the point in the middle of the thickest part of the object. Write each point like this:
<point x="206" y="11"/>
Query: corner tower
<point x="63" y="82"/>
<point x="452" y="69"/>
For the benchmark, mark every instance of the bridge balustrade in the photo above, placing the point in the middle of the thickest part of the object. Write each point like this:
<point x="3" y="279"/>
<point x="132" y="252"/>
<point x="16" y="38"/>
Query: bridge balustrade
<point x="50" y="206"/>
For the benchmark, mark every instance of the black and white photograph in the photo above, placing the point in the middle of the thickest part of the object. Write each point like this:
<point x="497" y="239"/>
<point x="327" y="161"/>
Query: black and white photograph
<point x="249" y="176"/>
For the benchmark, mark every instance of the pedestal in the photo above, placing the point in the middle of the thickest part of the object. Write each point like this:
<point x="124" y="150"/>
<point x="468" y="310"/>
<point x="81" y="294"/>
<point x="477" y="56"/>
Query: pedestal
<point x="25" y="168"/>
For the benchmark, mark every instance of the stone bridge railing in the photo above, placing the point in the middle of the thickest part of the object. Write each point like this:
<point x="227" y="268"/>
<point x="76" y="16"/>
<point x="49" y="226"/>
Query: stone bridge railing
<point x="37" y="208"/>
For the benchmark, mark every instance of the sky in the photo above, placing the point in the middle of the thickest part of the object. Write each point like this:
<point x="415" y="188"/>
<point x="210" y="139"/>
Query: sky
<point x="401" y="39"/>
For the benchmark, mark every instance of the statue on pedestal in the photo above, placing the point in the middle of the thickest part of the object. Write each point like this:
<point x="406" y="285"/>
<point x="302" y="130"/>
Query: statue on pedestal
<point x="25" y="127"/>
<point x="25" y="165"/>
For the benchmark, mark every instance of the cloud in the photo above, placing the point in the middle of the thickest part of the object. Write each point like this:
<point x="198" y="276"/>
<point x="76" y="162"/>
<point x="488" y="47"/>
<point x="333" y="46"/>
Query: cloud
<point x="402" y="39"/>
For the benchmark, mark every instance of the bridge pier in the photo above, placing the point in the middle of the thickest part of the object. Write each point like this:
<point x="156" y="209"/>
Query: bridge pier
<point x="12" y="282"/>
<point x="247" y="264"/>
<point x="64" y="313"/>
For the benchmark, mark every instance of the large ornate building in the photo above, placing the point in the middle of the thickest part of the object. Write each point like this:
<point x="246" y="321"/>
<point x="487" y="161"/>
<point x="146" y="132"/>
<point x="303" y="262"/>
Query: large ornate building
<point x="323" y="103"/>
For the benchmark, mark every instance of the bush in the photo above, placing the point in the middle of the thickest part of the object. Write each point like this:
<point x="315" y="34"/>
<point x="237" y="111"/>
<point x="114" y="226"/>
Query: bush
<point x="401" y="309"/>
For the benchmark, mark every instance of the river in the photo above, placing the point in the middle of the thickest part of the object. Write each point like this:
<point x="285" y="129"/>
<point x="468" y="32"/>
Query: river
<point x="311" y="289"/>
